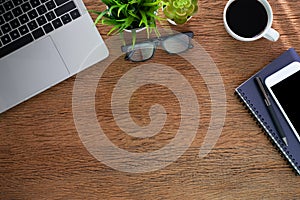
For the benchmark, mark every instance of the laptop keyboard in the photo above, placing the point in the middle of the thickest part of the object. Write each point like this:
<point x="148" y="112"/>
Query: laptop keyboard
<point x="23" y="21"/>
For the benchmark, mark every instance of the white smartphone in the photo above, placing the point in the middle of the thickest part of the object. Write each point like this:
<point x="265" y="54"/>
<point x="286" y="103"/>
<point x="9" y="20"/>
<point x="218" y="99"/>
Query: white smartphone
<point x="284" y="86"/>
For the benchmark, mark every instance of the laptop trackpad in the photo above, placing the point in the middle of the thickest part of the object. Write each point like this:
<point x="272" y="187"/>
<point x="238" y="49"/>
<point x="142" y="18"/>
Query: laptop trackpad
<point x="30" y="71"/>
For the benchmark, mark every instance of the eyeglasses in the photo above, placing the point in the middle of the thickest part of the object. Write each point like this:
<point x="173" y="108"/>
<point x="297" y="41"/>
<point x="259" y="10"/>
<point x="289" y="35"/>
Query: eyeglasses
<point x="173" y="44"/>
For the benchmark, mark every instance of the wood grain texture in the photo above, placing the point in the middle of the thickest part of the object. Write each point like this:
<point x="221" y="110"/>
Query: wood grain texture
<point x="42" y="156"/>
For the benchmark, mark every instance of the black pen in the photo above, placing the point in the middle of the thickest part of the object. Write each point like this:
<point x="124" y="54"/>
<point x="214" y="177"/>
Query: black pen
<point x="271" y="110"/>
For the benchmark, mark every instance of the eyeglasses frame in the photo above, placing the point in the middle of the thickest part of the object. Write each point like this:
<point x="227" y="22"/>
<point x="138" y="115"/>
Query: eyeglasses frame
<point x="157" y="42"/>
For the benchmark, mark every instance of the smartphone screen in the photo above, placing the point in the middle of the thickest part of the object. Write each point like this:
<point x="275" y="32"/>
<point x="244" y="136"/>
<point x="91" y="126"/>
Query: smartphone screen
<point x="286" y="93"/>
<point x="284" y="87"/>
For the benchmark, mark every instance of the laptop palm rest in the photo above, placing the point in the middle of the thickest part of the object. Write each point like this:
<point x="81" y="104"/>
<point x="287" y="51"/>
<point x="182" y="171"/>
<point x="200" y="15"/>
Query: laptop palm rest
<point x="30" y="71"/>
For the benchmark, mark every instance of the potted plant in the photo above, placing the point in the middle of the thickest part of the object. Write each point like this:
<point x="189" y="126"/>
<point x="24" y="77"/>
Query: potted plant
<point x="179" y="11"/>
<point x="129" y="15"/>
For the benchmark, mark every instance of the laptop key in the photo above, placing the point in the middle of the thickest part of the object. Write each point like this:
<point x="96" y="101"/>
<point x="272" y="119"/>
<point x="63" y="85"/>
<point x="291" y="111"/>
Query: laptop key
<point x="5" y="39"/>
<point x="1" y="20"/>
<point x="50" y="16"/>
<point x="22" y="41"/>
<point x="35" y="3"/>
<point x="41" y="20"/>
<point x="32" y="25"/>
<point x="65" y="8"/>
<point x="57" y="23"/>
<point x="60" y="2"/>
<point x="26" y="7"/>
<point x="8" y="5"/>
<point x="14" y="34"/>
<point x="32" y="14"/>
<point x="8" y="16"/>
<point x="17" y="2"/>
<point x="38" y="33"/>
<point x="17" y="11"/>
<point x="41" y="9"/>
<point x="66" y="18"/>
<point x="2" y="10"/>
<point x="23" y="29"/>
<point x="23" y="19"/>
<point x="75" y="14"/>
<point x="5" y="28"/>
<point x="50" y="5"/>
<point x="48" y="28"/>
<point x="14" y="23"/>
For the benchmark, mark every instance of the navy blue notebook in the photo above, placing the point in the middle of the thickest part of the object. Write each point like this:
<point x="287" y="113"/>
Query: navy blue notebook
<point x="252" y="98"/>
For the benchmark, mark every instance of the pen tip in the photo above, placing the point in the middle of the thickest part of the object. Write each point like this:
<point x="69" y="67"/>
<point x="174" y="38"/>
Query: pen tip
<point x="285" y="141"/>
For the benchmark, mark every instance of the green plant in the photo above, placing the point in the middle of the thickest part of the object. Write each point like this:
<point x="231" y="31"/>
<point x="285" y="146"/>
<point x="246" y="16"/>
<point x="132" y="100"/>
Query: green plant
<point x="180" y="10"/>
<point x="129" y="14"/>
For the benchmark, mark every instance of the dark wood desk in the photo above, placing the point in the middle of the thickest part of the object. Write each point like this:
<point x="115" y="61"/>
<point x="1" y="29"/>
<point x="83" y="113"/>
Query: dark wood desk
<point x="42" y="156"/>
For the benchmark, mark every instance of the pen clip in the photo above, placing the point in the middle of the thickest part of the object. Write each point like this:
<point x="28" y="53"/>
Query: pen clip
<point x="263" y="90"/>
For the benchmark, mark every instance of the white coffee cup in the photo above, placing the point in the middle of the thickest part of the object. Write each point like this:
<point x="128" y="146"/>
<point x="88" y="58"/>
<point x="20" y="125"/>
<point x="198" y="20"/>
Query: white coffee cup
<point x="268" y="32"/>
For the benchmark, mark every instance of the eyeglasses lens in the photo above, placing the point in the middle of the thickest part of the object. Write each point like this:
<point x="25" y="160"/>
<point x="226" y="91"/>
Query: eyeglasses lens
<point x="177" y="43"/>
<point x="141" y="52"/>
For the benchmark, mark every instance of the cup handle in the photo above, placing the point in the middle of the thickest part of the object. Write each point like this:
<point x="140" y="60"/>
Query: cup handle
<point x="272" y="35"/>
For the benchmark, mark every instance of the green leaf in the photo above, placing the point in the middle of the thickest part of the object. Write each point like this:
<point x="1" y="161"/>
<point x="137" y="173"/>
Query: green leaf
<point x="121" y="8"/>
<point x="107" y="2"/>
<point x="112" y="7"/>
<point x="133" y="32"/>
<point x="100" y="17"/>
<point x="143" y="19"/>
<point x="113" y="30"/>
<point x="117" y="2"/>
<point x="151" y="3"/>
<point x="94" y="12"/>
<point x="134" y="15"/>
<point x="169" y="11"/>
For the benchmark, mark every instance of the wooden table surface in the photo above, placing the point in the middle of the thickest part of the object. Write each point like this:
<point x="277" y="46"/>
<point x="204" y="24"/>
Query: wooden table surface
<point x="43" y="157"/>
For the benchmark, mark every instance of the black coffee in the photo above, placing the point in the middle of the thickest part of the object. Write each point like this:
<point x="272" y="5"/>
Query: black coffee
<point x="247" y="18"/>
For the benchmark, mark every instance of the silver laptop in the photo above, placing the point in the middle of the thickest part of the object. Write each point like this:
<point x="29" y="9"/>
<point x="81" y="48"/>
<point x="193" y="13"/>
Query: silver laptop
<point x="43" y="42"/>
